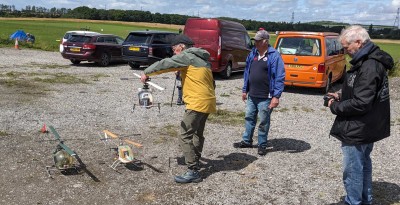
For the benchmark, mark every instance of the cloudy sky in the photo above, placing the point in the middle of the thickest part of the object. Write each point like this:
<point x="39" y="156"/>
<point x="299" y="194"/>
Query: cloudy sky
<point x="376" y="12"/>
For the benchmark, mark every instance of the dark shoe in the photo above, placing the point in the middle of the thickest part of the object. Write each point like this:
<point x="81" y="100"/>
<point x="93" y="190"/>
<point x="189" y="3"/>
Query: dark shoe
<point x="180" y="102"/>
<point x="242" y="144"/>
<point x="188" y="177"/>
<point x="262" y="151"/>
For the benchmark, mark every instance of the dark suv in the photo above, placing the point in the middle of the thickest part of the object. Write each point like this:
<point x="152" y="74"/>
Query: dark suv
<point x="147" y="47"/>
<point x="100" y="48"/>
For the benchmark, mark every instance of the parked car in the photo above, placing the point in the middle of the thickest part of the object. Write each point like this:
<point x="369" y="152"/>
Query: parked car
<point x="69" y="33"/>
<point x="227" y="42"/>
<point x="311" y="57"/>
<point x="100" y="48"/>
<point x="147" y="47"/>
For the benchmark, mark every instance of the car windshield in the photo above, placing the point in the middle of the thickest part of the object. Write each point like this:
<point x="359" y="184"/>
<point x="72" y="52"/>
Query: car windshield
<point x="139" y="38"/>
<point x="299" y="46"/>
<point x="79" y="38"/>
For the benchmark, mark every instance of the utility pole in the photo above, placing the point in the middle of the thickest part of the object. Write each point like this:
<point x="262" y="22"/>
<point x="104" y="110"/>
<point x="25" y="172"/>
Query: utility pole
<point x="292" y="21"/>
<point x="396" y="21"/>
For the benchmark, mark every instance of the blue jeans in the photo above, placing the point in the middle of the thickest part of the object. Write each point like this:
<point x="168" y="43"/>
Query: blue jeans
<point x="357" y="173"/>
<point x="254" y="107"/>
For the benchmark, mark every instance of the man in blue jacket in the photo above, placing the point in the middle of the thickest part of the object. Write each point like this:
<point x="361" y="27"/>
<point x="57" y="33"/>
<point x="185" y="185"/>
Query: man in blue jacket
<point x="362" y="111"/>
<point x="264" y="78"/>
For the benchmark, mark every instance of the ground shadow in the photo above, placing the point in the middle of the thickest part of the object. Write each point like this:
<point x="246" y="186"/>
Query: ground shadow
<point x="314" y="91"/>
<point x="230" y="162"/>
<point x="287" y="145"/>
<point x="304" y="90"/>
<point x="384" y="193"/>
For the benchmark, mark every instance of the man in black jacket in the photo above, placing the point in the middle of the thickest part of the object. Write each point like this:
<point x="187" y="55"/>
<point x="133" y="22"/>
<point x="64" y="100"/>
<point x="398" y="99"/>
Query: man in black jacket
<point x="362" y="111"/>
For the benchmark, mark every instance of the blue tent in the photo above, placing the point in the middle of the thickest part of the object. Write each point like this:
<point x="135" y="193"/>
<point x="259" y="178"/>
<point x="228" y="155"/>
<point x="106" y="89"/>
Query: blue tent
<point x="20" y="34"/>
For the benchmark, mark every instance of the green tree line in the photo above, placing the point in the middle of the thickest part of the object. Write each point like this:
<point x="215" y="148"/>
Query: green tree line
<point x="84" y="12"/>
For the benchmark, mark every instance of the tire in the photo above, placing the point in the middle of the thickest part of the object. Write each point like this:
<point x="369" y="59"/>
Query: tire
<point x="104" y="60"/>
<point x="75" y="62"/>
<point x="227" y="72"/>
<point x="134" y="65"/>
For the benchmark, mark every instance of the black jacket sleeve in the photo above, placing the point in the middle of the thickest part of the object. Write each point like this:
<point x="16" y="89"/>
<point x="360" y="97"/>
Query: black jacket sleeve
<point x="363" y="92"/>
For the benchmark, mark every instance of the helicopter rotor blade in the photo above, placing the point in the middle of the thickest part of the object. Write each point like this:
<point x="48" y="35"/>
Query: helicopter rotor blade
<point x="112" y="135"/>
<point x="150" y="83"/>
<point x="156" y="86"/>
<point x="133" y="143"/>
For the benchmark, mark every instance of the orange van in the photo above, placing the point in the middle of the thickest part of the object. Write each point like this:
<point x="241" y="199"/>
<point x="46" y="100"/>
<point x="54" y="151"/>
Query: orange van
<point x="311" y="57"/>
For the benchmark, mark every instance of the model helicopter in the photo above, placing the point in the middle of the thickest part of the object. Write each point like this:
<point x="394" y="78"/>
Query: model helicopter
<point x="125" y="154"/>
<point x="145" y="95"/>
<point x="65" y="159"/>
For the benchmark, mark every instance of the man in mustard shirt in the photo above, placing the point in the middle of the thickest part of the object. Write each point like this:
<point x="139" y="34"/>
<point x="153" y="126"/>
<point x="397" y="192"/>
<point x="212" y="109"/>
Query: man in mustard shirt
<point x="198" y="96"/>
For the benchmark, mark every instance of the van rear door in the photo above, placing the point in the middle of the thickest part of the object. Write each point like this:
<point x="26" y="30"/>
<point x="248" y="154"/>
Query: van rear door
<point x="303" y="59"/>
<point x="205" y="34"/>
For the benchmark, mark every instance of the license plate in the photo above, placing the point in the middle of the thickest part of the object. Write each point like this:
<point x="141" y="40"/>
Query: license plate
<point x="134" y="48"/>
<point x="294" y="66"/>
<point x="75" y="49"/>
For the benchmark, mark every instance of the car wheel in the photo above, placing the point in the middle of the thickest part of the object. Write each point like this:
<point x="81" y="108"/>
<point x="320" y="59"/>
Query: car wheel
<point x="104" y="60"/>
<point x="75" y="62"/>
<point x="227" y="72"/>
<point x="134" y="65"/>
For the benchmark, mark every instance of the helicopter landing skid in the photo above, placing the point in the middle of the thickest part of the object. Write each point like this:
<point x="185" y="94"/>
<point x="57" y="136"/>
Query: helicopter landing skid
<point x="147" y="106"/>
<point x="69" y="171"/>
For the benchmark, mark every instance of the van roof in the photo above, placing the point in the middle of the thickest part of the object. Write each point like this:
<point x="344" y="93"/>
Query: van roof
<point x="307" y="33"/>
<point x="222" y="22"/>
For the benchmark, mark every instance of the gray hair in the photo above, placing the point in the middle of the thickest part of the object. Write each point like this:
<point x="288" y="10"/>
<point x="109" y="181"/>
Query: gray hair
<point x="354" y="33"/>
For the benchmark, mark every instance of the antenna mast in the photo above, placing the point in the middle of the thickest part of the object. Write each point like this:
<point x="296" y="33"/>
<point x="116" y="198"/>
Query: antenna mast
<point x="396" y="21"/>
<point x="292" y="21"/>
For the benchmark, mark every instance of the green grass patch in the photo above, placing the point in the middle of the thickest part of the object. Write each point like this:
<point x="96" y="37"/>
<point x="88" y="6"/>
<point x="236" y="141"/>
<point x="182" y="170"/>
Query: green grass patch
<point x="227" y="117"/>
<point x="22" y="79"/>
<point x="166" y="133"/>
<point x="62" y="78"/>
<point x="306" y="109"/>
<point x="48" y="66"/>
<point x="3" y="133"/>
<point x="98" y="76"/>
<point x="283" y="109"/>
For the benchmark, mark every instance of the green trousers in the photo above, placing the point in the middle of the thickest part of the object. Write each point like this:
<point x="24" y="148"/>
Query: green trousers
<point x="192" y="139"/>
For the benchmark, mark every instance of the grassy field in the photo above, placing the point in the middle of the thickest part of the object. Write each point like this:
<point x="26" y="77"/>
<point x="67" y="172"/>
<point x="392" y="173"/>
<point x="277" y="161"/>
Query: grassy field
<point x="48" y="32"/>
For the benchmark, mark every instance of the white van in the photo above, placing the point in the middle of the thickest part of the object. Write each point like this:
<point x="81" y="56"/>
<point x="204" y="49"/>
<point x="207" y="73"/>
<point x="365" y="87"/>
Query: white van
<point x="68" y="34"/>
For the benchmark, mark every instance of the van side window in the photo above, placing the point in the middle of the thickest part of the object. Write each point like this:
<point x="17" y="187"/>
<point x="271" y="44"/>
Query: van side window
<point x="248" y="42"/>
<point x="332" y="46"/>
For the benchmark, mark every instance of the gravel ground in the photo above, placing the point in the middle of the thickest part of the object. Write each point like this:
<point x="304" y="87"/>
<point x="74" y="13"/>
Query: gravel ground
<point x="303" y="165"/>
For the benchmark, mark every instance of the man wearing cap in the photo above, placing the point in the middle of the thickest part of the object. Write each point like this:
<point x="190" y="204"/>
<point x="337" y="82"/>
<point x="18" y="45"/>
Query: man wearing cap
<point x="264" y="78"/>
<point x="198" y="95"/>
